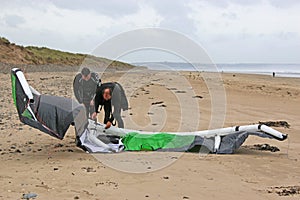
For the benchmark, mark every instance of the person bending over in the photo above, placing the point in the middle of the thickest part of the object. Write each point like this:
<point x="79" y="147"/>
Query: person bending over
<point x="108" y="95"/>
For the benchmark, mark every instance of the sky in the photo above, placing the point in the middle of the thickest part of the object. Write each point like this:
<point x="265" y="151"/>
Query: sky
<point x="230" y="31"/>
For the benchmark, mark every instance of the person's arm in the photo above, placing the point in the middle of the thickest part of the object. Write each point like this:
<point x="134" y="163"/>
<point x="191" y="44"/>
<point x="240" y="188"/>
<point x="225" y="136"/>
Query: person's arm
<point x="95" y="84"/>
<point x="76" y="88"/>
<point x="108" y="117"/>
<point x="97" y="100"/>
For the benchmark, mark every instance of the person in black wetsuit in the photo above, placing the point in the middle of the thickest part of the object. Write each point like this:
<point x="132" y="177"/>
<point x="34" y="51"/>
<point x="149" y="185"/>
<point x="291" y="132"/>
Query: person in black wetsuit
<point x="85" y="85"/>
<point x="108" y="95"/>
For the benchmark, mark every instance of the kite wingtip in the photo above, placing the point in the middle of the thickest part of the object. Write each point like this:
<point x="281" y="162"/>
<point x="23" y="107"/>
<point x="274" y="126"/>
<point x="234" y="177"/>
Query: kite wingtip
<point x="284" y="136"/>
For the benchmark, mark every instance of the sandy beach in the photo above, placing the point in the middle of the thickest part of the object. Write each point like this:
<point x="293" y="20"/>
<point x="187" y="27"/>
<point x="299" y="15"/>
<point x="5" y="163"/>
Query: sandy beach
<point x="32" y="161"/>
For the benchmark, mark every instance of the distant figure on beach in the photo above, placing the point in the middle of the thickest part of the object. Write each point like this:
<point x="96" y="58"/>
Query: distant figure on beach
<point x="273" y="74"/>
<point x="85" y="85"/>
<point x="108" y="95"/>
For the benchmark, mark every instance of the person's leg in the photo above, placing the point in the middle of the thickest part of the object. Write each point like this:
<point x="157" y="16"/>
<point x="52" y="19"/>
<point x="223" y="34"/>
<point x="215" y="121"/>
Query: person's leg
<point x="116" y="102"/>
<point x="117" y="116"/>
<point x="87" y="108"/>
<point x="91" y="110"/>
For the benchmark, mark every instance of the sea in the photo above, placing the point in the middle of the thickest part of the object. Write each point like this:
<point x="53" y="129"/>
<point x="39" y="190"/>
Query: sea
<point x="280" y="70"/>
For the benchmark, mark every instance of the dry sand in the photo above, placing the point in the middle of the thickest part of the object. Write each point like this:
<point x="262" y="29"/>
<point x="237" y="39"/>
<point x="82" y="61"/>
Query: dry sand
<point x="34" y="162"/>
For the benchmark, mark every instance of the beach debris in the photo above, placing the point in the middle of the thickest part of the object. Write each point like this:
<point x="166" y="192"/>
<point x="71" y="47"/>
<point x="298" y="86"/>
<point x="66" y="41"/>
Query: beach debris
<point x="108" y="183"/>
<point x="29" y="196"/>
<point x="266" y="147"/>
<point x="58" y="145"/>
<point x="285" y="190"/>
<point x="163" y="105"/>
<point x="18" y="151"/>
<point x="43" y="185"/>
<point x="156" y="103"/>
<point x="99" y="183"/>
<point x="171" y="88"/>
<point x="180" y="91"/>
<point x="198" y="96"/>
<point x="284" y="124"/>
<point x="263" y="147"/>
<point x="88" y="169"/>
<point x="76" y="197"/>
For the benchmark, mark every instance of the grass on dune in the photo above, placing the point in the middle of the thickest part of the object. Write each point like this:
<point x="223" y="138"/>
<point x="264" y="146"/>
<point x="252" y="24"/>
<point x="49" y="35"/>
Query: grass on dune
<point x="17" y="54"/>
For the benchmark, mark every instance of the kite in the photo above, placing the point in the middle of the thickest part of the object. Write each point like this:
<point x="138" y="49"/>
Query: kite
<point x="54" y="115"/>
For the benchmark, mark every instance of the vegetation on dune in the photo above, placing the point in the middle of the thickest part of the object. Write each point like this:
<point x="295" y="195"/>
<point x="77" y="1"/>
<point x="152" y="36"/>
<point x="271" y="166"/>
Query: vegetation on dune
<point x="15" y="54"/>
<point x="45" y="55"/>
<point x="4" y="40"/>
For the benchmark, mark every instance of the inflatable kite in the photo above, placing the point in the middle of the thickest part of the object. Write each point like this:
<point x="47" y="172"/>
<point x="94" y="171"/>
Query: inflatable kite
<point x="53" y="115"/>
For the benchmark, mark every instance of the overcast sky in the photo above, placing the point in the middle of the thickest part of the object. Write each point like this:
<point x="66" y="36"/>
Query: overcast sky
<point x="231" y="31"/>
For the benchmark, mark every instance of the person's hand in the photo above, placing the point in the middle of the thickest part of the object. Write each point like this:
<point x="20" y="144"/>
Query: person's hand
<point x="94" y="115"/>
<point x="92" y="102"/>
<point x="108" y="125"/>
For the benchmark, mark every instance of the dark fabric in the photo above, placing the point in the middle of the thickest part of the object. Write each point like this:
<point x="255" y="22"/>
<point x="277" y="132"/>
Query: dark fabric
<point x="124" y="101"/>
<point x="117" y="104"/>
<point x="84" y="91"/>
<point x="57" y="113"/>
<point x="199" y="144"/>
<point x="50" y="114"/>
<point x="232" y="142"/>
<point x="22" y="104"/>
<point x="21" y="98"/>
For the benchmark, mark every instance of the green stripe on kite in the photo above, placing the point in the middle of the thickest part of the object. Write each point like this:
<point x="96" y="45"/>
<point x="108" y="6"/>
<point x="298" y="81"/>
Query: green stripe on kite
<point x="13" y="86"/>
<point x="27" y="114"/>
<point x="134" y="141"/>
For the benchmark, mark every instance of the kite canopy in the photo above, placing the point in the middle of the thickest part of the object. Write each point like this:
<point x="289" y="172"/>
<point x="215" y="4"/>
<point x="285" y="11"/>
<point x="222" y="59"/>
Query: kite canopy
<point x="53" y="115"/>
<point x="50" y="114"/>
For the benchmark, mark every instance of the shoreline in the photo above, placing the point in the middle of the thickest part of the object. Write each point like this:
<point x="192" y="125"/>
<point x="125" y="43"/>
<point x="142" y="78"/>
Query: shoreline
<point x="277" y="74"/>
<point x="5" y="68"/>
<point x="280" y="69"/>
